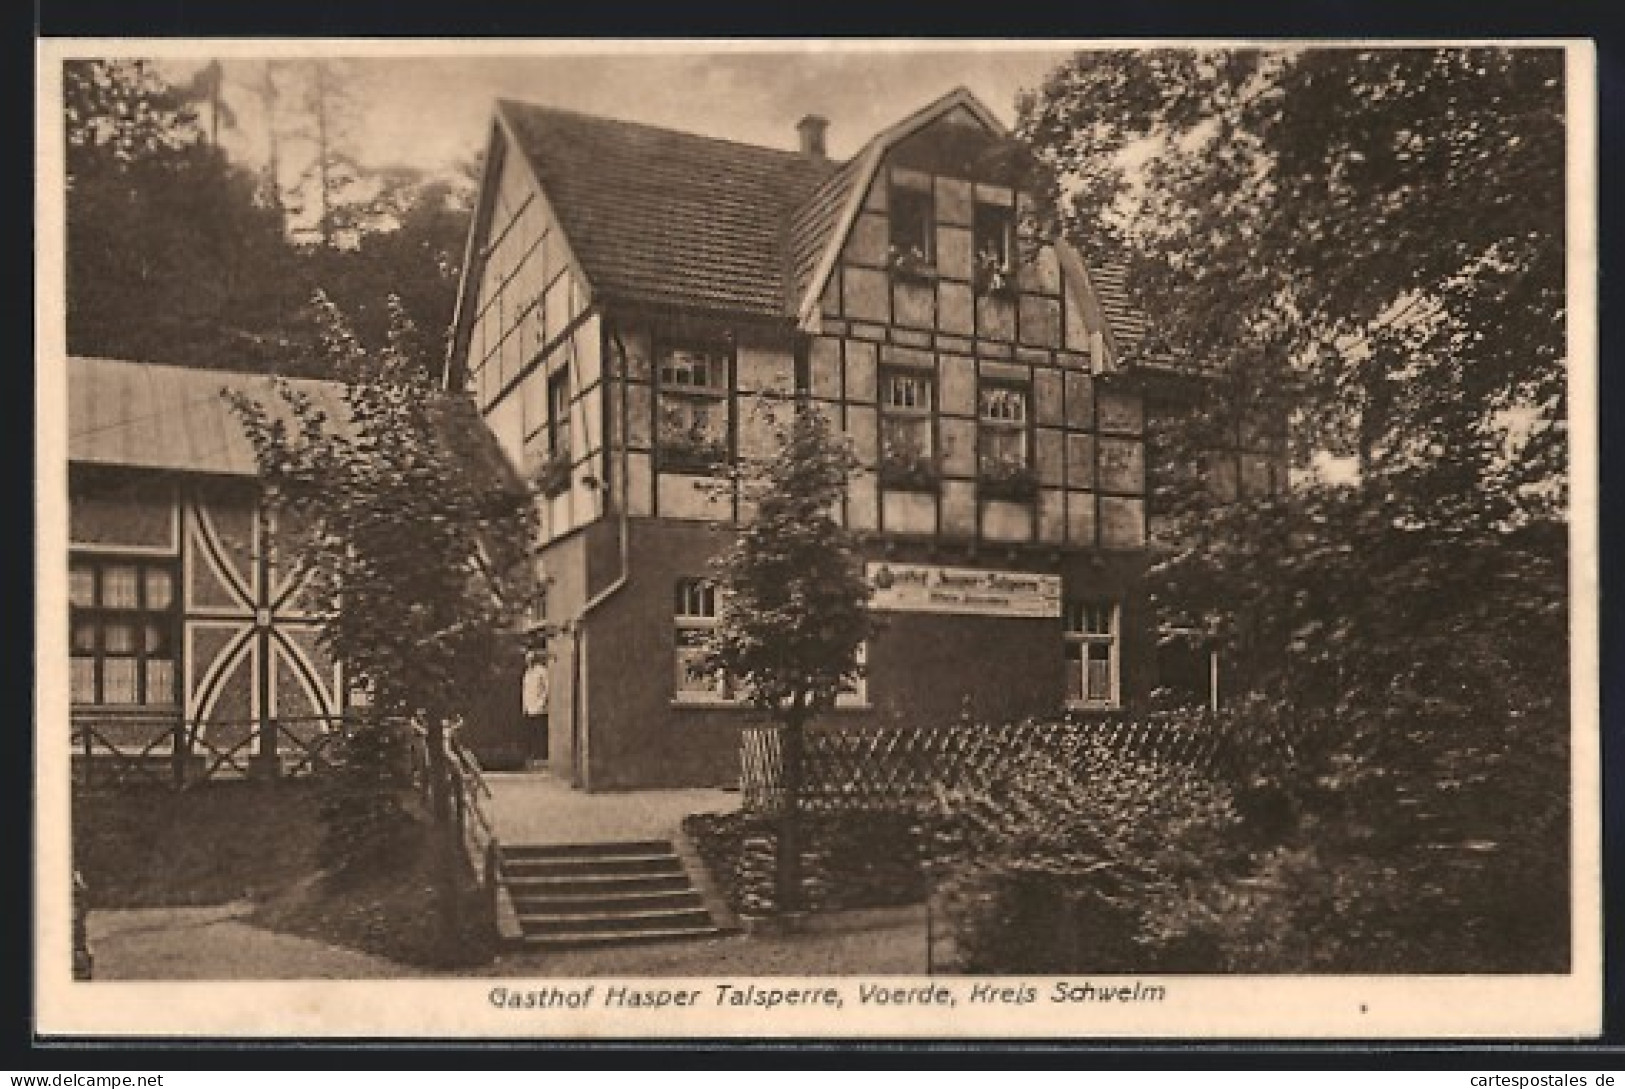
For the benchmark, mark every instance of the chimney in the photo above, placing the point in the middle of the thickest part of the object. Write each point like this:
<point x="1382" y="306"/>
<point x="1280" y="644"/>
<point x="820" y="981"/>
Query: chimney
<point x="812" y="129"/>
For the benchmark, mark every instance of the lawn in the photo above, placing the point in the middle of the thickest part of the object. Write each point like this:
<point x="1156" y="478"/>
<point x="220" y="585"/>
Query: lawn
<point x="214" y="844"/>
<point x="231" y="842"/>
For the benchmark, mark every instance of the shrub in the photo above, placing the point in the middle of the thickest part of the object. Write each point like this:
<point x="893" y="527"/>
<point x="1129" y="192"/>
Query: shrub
<point x="1082" y="864"/>
<point x="367" y="807"/>
<point x="861" y="858"/>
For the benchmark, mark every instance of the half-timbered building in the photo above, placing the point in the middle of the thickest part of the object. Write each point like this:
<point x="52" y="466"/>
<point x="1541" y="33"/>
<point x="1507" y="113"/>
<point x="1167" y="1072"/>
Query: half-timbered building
<point x="635" y="300"/>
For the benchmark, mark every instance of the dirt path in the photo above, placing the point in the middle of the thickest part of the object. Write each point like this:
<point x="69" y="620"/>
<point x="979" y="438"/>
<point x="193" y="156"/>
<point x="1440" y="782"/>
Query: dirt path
<point x="218" y="943"/>
<point x="877" y="941"/>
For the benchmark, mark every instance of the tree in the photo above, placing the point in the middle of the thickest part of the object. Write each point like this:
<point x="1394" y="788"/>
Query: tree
<point x="409" y="246"/>
<point x="170" y="256"/>
<point x="1371" y="242"/>
<point x="1370" y="245"/>
<point x="792" y="599"/>
<point x="419" y="549"/>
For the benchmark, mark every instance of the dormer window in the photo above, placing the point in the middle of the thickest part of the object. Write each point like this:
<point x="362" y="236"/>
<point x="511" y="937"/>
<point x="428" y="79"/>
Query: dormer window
<point x="913" y="231"/>
<point x="995" y="241"/>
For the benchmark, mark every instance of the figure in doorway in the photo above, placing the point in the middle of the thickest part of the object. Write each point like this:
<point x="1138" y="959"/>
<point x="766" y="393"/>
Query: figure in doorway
<point x="535" y="706"/>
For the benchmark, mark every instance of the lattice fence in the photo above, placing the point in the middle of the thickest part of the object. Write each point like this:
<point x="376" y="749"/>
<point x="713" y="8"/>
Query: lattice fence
<point x="902" y="767"/>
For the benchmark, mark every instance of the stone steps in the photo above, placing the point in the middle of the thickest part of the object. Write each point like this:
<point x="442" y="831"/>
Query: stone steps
<point x="579" y="894"/>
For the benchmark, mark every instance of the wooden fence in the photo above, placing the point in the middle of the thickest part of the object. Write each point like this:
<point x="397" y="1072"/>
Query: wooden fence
<point x="181" y="754"/>
<point x="902" y="767"/>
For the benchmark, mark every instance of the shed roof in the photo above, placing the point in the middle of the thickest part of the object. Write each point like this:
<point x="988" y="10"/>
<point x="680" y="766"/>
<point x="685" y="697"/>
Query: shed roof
<point x="156" y="416"/>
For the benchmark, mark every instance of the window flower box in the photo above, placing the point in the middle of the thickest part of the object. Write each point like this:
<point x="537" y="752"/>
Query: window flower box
<point x="910" y="263"/>
<point x="996" y="278"/>
<point x="909" y="472"/>
<point x="692" y="454"/>
<point x="1005" y="481"/>
<point x="553" y="477"/>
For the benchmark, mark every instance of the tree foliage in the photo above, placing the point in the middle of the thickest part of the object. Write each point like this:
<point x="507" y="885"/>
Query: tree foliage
<point x="419" y="547"/>
<point x="792" y="610"/>
<point x="178" y="254"/>
<point x="1368" y="244"/>
<point x="170" y="257"/>
<point x="1353" y="264"/>
<point x="792" y="596"/>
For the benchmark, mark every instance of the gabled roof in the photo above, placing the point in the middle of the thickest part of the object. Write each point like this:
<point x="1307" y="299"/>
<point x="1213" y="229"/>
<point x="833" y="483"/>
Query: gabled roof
<point x="669" y="218"/>
<point x="823" y="229"/>
<point x="155" y="416"/>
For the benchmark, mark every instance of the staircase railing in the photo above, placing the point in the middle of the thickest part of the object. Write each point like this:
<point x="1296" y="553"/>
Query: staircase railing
<point x="467" y="793"/>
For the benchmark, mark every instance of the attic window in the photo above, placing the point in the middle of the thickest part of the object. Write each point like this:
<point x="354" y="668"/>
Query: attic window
<point x="912" y="230"/>
<point x="995" y="240"/>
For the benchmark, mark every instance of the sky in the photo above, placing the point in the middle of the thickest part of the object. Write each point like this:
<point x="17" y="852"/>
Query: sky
<point x="430" y="111"/>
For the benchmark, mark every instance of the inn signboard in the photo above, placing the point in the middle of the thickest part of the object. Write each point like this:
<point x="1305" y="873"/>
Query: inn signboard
<point x="930" y="588"/>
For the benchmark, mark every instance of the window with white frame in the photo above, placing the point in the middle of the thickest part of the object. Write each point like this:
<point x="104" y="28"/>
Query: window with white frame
<point x="907" y="458"/>
<point x="695" y="417"/>
<point x="694" y="615"/>
<point x="1092" y="657"/>
<point x="1003" y="450"/>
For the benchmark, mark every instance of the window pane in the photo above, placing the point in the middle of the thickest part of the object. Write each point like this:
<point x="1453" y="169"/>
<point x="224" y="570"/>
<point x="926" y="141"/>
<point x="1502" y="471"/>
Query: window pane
<point x="118" y="680"/>
<point x="158" y="641"/>
<point x="911" y="216"/>
<point x="81" y="586"/>
<point x="160" y="589"/>
<point x="695" y="599"/>
<point x="1089" y="618"/>
<point x="993" y="235"/>
<point x="693" y="430"/>
<point x="1100" y="674"/>
<point x="905" y="438"/>
<point x="83" y="682"/>
<point x="692" y="678"/>
<point x="907" y="391"/>
<point x="119" y="587"/>
<point x="1003" y="451"/>
<point x="692" y="367"/>
<point x="84" y="637"/>
<point x="160" y="681"/>
<point x="118" y="637"/>
<point x="1004" y="404"/>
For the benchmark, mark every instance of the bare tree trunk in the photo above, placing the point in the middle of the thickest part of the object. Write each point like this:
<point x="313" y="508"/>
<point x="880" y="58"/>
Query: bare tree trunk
<point x="323" y="156"/>
<point x="788" y="871"/>
<point x="273" y="164"/>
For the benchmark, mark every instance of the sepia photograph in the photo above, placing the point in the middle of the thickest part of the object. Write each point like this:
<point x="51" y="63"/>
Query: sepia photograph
<point x="827" y="538"/>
